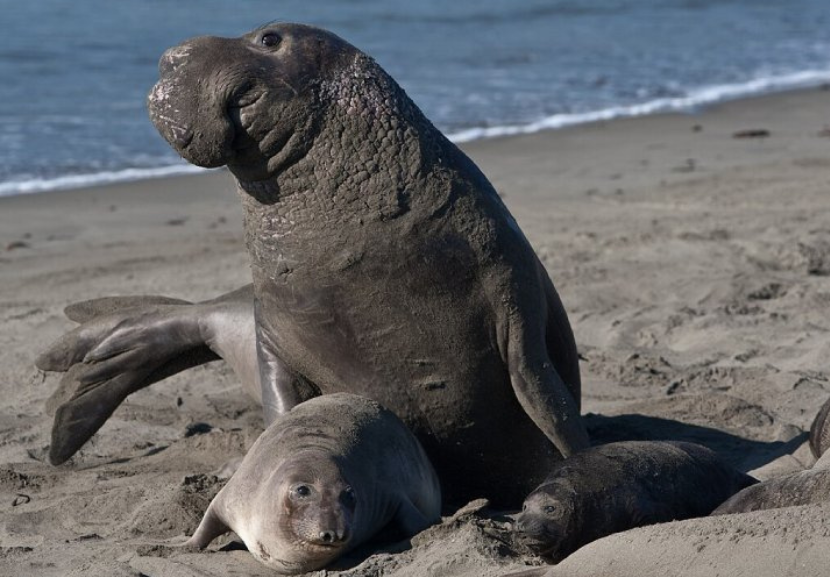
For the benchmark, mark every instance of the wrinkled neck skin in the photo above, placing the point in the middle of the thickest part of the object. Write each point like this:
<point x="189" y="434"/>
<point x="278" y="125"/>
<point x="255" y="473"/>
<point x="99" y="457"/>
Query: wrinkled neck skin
<point x="360" y="163"/>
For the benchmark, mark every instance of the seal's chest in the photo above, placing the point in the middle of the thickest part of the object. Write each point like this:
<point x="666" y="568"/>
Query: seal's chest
<point x="374" y="295"/>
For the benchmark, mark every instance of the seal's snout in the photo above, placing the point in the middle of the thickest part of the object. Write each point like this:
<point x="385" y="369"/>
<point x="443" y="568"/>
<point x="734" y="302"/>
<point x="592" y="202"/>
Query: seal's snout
<point x="173" y="58"/>
<point x="537" y="535"/>
<point x="527" y="530"/>
<point x="187" y="105"/>
<point x="333" y="536"/>
<point x="178" y="134"/>
<point x="332" y="529"/>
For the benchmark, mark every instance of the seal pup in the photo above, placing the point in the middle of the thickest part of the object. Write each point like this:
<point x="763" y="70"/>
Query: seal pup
<point x="384" y="262"/>
<point x="322" y="479"/>
<point x="790" y="542"/>
<point x="618" y="486"/>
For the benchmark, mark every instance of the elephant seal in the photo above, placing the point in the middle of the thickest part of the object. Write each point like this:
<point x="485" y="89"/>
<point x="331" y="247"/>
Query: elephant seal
<point x="618" y="486"/>
<point x="791" y="542"/>
<point x="820" y="431"/>
<point x="322" y="479"/>
<point x="384" y="262"/>
<point x="802" y="488"/>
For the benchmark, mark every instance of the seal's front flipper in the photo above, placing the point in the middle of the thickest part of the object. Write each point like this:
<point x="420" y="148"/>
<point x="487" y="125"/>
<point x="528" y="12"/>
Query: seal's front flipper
<point x="551" y="403"/>
<point x="211" y="527"/>
<point x="409" y="520"/>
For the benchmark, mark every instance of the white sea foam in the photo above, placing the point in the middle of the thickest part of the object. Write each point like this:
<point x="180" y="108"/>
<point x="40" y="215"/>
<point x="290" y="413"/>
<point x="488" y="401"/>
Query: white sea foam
<point x="99" y="178"/>
<point x="695" y="99"/>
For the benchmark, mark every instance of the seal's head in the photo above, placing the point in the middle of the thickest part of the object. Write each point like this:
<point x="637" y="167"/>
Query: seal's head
<point x="548" y="519"/>
<point x="250" y="102"/>
<point x="304" y="517"/>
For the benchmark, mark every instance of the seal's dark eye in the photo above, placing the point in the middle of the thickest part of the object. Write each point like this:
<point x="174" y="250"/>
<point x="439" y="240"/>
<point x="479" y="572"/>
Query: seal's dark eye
<point x="270" y="39"/>
<point x="302" y="490"/>
<point x="348" y="497"/>
<point x="549" y="508"/>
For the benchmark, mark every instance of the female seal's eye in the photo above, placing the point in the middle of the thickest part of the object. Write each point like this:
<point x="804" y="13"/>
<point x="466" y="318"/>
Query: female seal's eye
<point x="302" y="490"/>
<point x="549" y="508"/>
<point x="270" y="39"/>
<point x="348" y="496"/>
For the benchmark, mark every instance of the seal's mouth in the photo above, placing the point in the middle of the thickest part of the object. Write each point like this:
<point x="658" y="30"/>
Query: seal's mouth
<point x="543" y="548"/>
<point x="541" y="542"/>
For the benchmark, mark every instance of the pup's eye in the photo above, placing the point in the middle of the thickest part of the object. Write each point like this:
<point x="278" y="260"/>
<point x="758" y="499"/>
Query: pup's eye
<point x="270" y="39"/>
<point x="549" y="508"/>
<point x="302" y="490"/>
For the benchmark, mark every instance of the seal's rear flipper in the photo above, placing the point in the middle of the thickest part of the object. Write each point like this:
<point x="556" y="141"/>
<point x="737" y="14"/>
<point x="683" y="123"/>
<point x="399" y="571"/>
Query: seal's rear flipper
<point x="84" y="311"/>
<point x="124" y="344"/>
<point x="98" y="319"/>
<point x="209" y="529"/>
<point x="82" y="407"/>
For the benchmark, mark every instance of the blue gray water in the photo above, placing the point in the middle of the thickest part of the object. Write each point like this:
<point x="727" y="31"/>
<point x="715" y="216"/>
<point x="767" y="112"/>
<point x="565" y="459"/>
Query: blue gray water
<point x="74" y="75"/>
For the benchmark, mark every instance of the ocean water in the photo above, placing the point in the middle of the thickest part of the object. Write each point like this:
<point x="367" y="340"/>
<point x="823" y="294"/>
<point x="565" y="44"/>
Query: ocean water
<point x="74" y="75"/>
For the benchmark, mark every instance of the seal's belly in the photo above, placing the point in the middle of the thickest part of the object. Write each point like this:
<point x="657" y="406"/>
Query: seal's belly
<point x="417" y="331"/>
<point x="420" y="318"/>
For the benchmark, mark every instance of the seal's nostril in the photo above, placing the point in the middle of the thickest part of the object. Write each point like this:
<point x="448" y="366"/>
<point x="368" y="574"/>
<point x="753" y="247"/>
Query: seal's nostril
<point x="327" y="536"/>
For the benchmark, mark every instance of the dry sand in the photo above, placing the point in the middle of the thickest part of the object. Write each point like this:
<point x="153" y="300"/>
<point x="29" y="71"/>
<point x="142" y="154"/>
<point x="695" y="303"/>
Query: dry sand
<point x="694" y="266"/>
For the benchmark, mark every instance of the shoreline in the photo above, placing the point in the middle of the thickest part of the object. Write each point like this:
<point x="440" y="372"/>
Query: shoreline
<point x="464" y="138"/>
<point x="693" y="267"/>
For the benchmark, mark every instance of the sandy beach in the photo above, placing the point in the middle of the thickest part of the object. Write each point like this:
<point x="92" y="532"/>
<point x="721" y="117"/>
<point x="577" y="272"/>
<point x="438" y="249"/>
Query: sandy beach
<point x="692" y="253"/>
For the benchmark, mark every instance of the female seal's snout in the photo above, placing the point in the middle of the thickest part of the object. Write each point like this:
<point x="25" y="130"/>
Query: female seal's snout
<point x="333" y="536"/>
<point x="530" y="529"/>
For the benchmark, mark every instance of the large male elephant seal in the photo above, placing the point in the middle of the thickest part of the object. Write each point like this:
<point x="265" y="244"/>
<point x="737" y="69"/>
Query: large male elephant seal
<point x="619" y="486"/>
<point x="384" y="262"/>
<point x="322" y="479"/>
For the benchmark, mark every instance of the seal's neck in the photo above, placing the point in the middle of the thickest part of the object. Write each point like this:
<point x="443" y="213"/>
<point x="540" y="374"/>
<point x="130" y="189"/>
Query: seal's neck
<point x="371" y="146"/>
